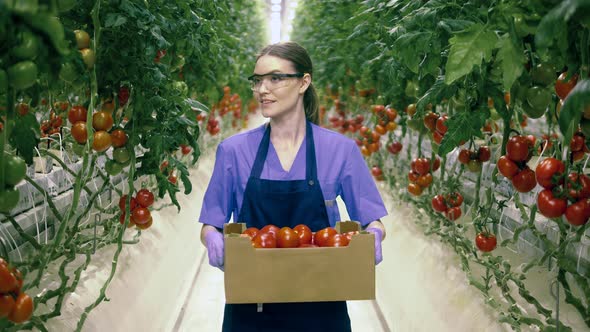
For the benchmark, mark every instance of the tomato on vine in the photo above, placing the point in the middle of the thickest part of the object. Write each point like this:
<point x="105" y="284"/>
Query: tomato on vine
<point x="485" y="242"/>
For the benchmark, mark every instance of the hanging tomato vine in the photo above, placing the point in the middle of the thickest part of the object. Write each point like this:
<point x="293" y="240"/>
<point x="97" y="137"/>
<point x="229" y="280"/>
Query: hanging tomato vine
<point x="474" y="84"/>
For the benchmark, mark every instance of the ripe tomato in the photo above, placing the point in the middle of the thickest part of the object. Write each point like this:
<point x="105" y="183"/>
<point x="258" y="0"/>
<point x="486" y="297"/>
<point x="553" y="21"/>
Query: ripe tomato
<point x="118" y="138"/>
<point x="518" y="148"/>
<point x="507" y="167"/>
<point x="8" y="281"/>
<point x="453" y="213"/>
<point x="251" y="232"/>
<point x="23" y="309"/>
<point x="140" y="215"/>
<point x="438" y="203"/>
<point x="441" y="124"/>
<point x="524" y="181"/>
<point x="484" y="154"/>
<point x="304" y="234"/>
<point x="549" y="172"/>
<point x="6" y="304"/>
<point x="287" y="238"/>
<point x="380" y="129"/>
<point x="77" y="113"/>
<point x="395" y="147"/>
<point x="102" y="121"/>
<point x="414" y="189"/>
<point x="464" y="156"/>
<point x="270" y="229"/>
<point x="147" y="224"/>
<point x="80" y="132"/>
<point x="185" y="149"/>
<point x="264" y="240"/>
<point x="577" y="143"/>
<point x="102" y="141"/>
<point x="172" y="179"/>
<point x="424" y="180"/>
<point x="338" y="240"/>
<point x="19" y="279"/>
<point x="123" y="200"/>
<point x="322" y="236"/>
<point x="485" y="242"/>
<point x="376" y="171"/>
<point x="421" y="166"/>
<point x="436" y="164"/>
<point x="144" y="197"/>
<point x="563" y="87"/>
<point x="578" y="186"/>
<point x="549" y="205"/>
<point x="577" y="214"/>
<point x="349" y="235"/>
<point x="437" y="137"/>
<point x="413" y="176"/>
<point x="454" y="199"/>
<point x="430" y="121"/>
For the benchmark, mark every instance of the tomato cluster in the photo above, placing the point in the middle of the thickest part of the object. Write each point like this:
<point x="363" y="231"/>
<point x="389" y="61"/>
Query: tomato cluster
<point x="473" y="159"/>
<point x="51" y="126"/>
<point x="448" y="204"/>
<point x="300" y="236"/>
<point x="229" y="103"/>
<point x="140" y="214"/>
<point x="563" y="195"/>
<point x="83" y="43"/>
<point x="343" y="124"/>
<point x="420" y="175"/>
<point x="15" y="305"/>
<point x="437" y="125"/>
<point x="15" y="170"/>
<point x="172" y="178"/>
<point x="513" y="165"/>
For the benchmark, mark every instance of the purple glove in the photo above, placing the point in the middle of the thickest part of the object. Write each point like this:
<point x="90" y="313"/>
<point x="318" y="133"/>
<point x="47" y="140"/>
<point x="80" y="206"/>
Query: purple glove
<point x="215" y="248"/>
<point x="378" y="236"/>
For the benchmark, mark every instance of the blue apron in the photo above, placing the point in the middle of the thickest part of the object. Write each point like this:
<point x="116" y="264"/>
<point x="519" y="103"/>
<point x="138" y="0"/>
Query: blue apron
<point x="285" y="203"/>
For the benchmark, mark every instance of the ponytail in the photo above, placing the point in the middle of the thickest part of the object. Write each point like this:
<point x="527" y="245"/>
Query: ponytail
<point x="311" y="105"/>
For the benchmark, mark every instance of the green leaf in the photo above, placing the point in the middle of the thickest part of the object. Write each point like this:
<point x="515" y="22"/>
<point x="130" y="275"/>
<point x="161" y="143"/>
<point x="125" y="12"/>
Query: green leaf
<point x="25" y="136"/>
<point x="197" y="105"/>
<point x="410" y="47"/>
<point x="569" y="118"/>
<point x="553" y="26"/>
<point x="114" y="20"/>
<point x="512" y="60"/>
<point x="468" y="49"/>
<point x="434" y="95"/>
<point x="461" y="127"/>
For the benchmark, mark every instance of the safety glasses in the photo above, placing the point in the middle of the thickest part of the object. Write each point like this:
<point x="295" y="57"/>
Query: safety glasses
<point x="271" y="81"/>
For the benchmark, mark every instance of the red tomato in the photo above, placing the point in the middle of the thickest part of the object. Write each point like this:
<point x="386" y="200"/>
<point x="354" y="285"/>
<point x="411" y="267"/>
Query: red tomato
<point x="123" y="200"/>
<point x="102" y="141"/>
<point x="441" y="124"/>
<point x="264" y="240"/>
<point x="485" y="242"/>
<point x="172" y="179"/>
<point x="307" y="245"/>
<point x="338" y="240"/>
<point x="578" y="186"/>
<point x="287" y="238"/>
<point x="454" y="199"/>
<point x="524" y="181"/>
<point x="414" y="189"/>
<point x="251" y="232"/>
<point x="270" y="229"/>
<point x="144" y="197"/>
<point x="464" y="156"/>
<point x="147" y="224"/>
<point x="517" y="148"/>
<point x="376" y="171"/>
<point x="563" y="87"/>
<point x="77" y="113"/>
<point x="453" y="213"/>
<point x="413" y="176"/>
<point x="23" y="309"/>
<point x="6" y="304"/>
<point x="436" y="164"/>
<point x="119" y="138"/>
<point x="549" y="172"/>
<point x="395" y="147"/>
<point x="549" y="205"/>
<point x="140" y="215"/>
<point x="8" y="281"/>
<point x="304" y="234"/>
<point x="322" y="236"/>
<point x="430" y="121"/>
<point x="185" y="149"/>
<point x="438" y="203"/>
<point x="19" y="279"/>
<point x="577" y="143"/>
<point x="507" y="167"/>
<point x="484" y="154"/>
<point x="420" y="166"/>
<point x="437" y="137"/>
<point x="577" y="214"/>
<point x="424" y="180"/>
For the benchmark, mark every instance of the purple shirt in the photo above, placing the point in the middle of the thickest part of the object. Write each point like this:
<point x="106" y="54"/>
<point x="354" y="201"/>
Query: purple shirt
<point x="341" y="170"/>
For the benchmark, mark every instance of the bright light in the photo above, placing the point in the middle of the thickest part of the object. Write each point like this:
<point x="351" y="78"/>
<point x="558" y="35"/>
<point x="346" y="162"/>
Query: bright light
<point x="291" y="15"/>
<point x="276" y="2"/>
<point x="276" y="8"/>
<point x="275" y="29"/>
<point x="293" y="4"/>
<point x="275" y="16"/>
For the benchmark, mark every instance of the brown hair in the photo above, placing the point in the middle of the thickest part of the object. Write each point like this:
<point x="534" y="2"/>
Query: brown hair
<point x="298" y="55"/>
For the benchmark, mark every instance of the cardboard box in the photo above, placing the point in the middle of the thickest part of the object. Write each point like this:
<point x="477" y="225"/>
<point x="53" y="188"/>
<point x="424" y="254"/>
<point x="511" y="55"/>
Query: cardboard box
<point x="263" y="275"/>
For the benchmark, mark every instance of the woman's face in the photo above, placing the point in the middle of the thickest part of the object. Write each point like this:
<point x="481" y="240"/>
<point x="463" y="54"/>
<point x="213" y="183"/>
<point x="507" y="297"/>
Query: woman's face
<point x="278" y="95"/>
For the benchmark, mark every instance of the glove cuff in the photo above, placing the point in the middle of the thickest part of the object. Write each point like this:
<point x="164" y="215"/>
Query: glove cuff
<point x="378" y="232"/>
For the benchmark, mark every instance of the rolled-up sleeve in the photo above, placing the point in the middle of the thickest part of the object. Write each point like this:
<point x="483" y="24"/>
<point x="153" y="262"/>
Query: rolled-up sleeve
<point x="359" y="191"/>
<point x="218" y="201"/>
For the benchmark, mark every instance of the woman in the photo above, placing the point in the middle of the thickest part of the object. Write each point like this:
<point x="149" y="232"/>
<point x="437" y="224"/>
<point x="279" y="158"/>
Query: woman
<point x="283" y="173"/>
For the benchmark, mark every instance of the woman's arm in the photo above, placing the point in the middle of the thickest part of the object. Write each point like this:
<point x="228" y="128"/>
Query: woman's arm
<point x="206" y="229"/>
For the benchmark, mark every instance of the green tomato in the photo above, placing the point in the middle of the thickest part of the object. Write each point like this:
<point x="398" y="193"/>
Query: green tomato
<point x="538" y="99"/>
<point x="112" y="167"/>
<point x="27" y="47"/>
<point x="14" y="170"/>
<point x="23" y="6"/>
<point x="474" y="165"/>
<point x="52" y="28"/>
<point x="68" y="72"/>
<point x="411" y="89"/>
<point x="22" y="75"/>
<point x="181" y="87"/>
<point x="65" y="5"/>
<point x="8" y="199"/>
<point x="121" y="155"/>
<point x="417" y="125"/>
<point x="544" y="74"/>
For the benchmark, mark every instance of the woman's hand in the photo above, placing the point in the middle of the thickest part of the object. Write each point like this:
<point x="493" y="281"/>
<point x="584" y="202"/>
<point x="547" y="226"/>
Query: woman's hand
<point x="215" y="244"/>
<point x="377" y="228"/>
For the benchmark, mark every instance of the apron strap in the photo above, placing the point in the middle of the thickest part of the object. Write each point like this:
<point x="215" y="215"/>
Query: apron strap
<point x="310" y="160"/>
